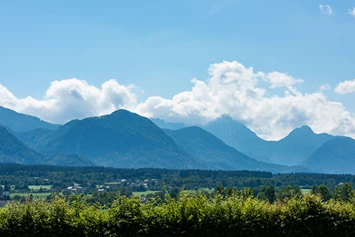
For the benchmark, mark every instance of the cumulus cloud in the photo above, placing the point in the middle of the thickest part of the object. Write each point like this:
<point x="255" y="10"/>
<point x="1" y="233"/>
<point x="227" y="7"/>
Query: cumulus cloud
<point x="231" y="89"/>
<point x="352" y="11"/>
<point x="345" y="87"/>
<point x="278" y="79"/>
<point x="325" y="9"/>
<point x="72" y="99"/>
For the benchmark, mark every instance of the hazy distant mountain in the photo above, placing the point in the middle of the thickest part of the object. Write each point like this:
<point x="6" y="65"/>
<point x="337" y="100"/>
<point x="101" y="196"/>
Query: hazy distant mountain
<point x="12" y="150"/>
<point x="291" y="150"/>
<point x="237" y="135"/>
<point x="334" y="156"/>
<point x="296" y="147"/>
<point x="22" y="122"/>
<point x="166" y="125"/>
<point x="230" y="132"/>
<point x="121" y="139"/>
<point x="209" y="148"/>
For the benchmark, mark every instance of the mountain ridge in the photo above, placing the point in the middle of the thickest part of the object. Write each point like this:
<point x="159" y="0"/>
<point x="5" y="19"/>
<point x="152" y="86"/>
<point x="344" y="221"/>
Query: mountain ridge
<point x="211" y="149"/>
<point x="334" y="156"/>
<point x="19" y="122"/>
<point x="13" y="150"/>
<point x="134" y="136"/>
<point x="291" y="150"/>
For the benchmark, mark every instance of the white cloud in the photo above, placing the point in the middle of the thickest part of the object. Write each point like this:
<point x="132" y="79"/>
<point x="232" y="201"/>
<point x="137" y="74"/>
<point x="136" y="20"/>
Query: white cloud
<point x="325" y="9"/>
<point x="231" y="89"/>
<point x="345" y="87"/>
<point x="325" y="87"/>
<point x="352" y="12"/>
<point x="278" y="79"/>
<point x="72" y="99"/>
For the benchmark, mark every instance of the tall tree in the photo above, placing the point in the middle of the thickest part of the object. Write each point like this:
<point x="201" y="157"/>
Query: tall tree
<point x="324" y="192"/>
<point x="343" y="192"/>
<point x="270" y="193"/>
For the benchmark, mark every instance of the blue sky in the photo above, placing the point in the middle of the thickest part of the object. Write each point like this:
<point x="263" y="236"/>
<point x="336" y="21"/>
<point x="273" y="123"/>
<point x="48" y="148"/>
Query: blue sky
<point x="159" y="46"/>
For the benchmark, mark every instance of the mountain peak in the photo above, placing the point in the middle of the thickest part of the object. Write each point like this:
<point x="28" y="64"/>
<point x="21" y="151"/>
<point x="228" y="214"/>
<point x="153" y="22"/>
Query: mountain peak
<point x="227" y="124"/>
<point x="122" y="112"/>
<point x="226" y="119"/>
<point x="305" y="127"/>
<point x="301" y="131"/>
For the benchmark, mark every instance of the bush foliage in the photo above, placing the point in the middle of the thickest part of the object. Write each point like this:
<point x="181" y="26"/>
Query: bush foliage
<point x="187" y="215"/>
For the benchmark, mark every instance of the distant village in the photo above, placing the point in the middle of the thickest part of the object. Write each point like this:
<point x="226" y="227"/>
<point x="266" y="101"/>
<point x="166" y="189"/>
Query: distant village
<point x="16" y="193"/>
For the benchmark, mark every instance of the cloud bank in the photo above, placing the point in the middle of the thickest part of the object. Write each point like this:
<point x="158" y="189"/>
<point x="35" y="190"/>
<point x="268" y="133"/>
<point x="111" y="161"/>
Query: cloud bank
<point x="231" y="89"/>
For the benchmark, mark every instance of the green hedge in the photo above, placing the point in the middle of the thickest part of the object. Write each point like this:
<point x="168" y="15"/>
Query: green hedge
<point x="186" y="216"/>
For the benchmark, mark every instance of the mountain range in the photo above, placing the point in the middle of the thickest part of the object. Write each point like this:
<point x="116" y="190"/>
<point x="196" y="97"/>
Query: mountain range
<point x="125" y="139"/>
<point x="121" y="139"/>
<point x="292" y="150"/>
<point x="212" y="150"/>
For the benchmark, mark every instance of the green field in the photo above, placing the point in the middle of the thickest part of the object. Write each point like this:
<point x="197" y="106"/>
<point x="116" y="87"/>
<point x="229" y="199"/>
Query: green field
<point x="144" y="193"/>
<point x="37" y="187"/>
<point x="305" y="191"/>
<point x="35" y="195"/>
<point x="186" y="191"/>
<point x="112" y="183"/>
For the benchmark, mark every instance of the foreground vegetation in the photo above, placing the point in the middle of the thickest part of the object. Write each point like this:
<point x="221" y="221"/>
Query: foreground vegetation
<point x="237" y="214"/>
<point x="97" y="201"/>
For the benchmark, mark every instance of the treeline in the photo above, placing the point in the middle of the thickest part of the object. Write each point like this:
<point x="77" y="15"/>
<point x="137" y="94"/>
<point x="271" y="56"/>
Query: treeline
<point x="236" y="214"/>
<point x="62" y="177"/>
<point x="344" y="193"/>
